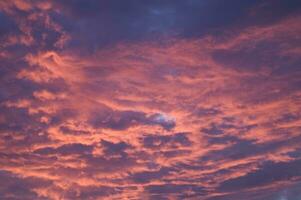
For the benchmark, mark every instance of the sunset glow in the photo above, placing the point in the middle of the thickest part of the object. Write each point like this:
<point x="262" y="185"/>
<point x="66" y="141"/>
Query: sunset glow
<point x="137" y="99"/>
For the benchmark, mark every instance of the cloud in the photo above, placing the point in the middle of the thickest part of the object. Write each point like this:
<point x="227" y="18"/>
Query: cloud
<point x="150" y="100"/>
<point x="13" y="187"/>
<point x="270" y="173"/>
<point x="157" y="141"/>
<point x="178" y="191"/>
<point x="66" y="149"/>
<point x="125" y="119"/>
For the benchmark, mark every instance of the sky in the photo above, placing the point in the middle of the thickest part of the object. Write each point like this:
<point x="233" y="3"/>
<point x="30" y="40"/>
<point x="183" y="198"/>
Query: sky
<point x="154" y="100"/>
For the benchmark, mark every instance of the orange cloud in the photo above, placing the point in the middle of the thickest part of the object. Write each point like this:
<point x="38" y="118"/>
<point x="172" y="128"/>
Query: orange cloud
<point x="136" y="119"/>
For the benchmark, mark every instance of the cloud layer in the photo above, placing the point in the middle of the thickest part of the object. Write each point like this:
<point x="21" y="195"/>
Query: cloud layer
<point x="150" y="100"/>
